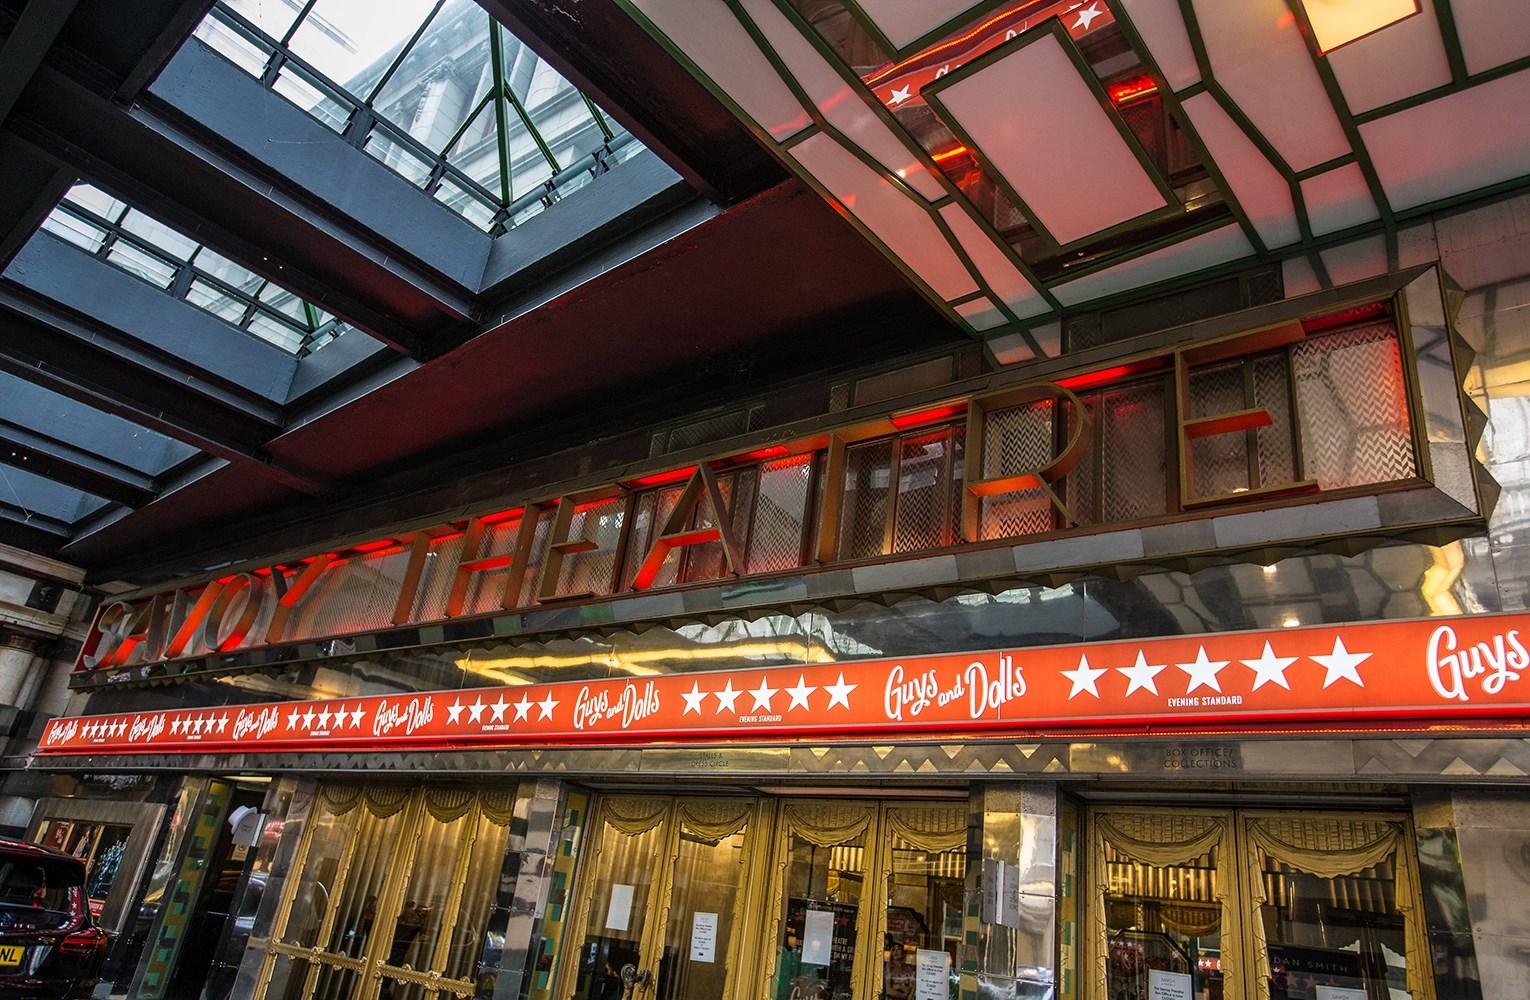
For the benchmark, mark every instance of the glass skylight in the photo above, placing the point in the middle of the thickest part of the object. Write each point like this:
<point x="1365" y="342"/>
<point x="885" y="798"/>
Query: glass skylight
<point x="141" y="245"/>
<point x="437" y="91"/>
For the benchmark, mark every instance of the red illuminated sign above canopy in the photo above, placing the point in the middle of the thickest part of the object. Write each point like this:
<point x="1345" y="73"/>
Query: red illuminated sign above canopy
<point x="1400" y="675"/>
<point x="1150" y="437"/>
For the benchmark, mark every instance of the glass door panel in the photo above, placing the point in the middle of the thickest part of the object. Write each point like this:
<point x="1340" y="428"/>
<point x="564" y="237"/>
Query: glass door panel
<point x="824" y="885"/>
<point x="924" y="913"/>
<point x="701" y="917"/>
<point x="1256" y="905"/>
<point x="1327" y="895"/>
<point x="621" y="899"/>
<point x="1163" y="925"/>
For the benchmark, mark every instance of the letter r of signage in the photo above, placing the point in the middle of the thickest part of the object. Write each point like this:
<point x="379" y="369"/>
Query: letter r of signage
<point x="1043" y="476"/>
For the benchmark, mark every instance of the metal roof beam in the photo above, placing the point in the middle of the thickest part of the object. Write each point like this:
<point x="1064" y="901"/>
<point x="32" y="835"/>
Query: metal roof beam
<point x="26" y="46"/>
<point x="75" y="359"/>
<point x="73" y="466"/>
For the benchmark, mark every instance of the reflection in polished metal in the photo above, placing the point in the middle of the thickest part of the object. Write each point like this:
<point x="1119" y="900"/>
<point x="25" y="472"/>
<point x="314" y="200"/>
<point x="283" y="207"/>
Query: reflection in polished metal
<point x="1019" y="824"/>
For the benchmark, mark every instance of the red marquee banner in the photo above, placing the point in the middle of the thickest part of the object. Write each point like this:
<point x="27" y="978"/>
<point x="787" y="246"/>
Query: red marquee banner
<point x="1359" y="676"/>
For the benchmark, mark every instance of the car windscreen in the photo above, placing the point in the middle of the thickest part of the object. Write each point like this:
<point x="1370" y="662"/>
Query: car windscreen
<point x="39" y="894"/>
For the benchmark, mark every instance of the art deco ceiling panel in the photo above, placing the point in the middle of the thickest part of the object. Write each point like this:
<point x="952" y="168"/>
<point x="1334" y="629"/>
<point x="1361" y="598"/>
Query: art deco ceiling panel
<point x="1020" y="158"/>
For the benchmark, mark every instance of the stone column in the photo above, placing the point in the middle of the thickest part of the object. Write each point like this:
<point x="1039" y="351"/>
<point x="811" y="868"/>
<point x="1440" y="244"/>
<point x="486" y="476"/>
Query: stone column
<point x="18" y="660"/>
<point x="1492" y="834"/>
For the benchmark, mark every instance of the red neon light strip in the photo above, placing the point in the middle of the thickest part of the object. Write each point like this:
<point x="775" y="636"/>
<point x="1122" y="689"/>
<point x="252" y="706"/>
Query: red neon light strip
<point x="1458" y="673"/>
<point x="928" y="416"/>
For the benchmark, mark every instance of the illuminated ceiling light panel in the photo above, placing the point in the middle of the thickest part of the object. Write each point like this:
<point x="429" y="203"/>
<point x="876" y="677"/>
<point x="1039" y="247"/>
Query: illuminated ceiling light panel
<point x="1339" y="22"/>
<point x="1260" y="188"/>
<point x="1161" y="24"/>
<point x="723" y="50"/>
<point x="1262" y="62"/>
<point x="1452" y="144"/>
<point x="840" y="107"/>
<point x="1492" y="32"/>
<point x="1040" y="126"/>
<point x="906" y="229"/>
<point x="1406" y="61"/>
<point x="1002" y="276"/>
<point x="904" y="21"/>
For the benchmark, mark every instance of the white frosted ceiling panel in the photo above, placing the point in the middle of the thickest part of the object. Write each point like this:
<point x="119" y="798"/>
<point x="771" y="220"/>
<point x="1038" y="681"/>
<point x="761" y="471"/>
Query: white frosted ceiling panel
<point x="904" y="21"/>
<point x="1259" y="58"/>
<point x="1162" y="28"/>
<point x="841" y="107"/>
<point x="1196" y="254"/>
<point x="1260" y="189"/>
<point x="1042" y="128"/>
<point x="713" y="39"/>
<point x="992" y="265"/>
<point x="1455" y="144"/>
<point x="982" y="314"/>
<point x="1492" y="32"/>
<point x="1337" y="199"/>
<point x="1397" y="62"/>
<point x="903" y="227"/>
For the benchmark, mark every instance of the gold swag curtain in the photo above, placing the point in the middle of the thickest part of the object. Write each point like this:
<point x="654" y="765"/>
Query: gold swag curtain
<point x="1162" y="840"/>
<point x="1331" y="848"/>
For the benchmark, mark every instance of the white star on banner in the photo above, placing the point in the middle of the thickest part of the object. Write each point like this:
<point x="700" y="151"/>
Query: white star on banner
<point x="222" y="722"/>
<point x="308" y="720"/>
<point x="475" y="711"/>
<point x="203" y="722"/>
<point x="497" y="710"/>
<point x="800" y="694"/>
<point x="175" y="727"/>
<point x="324" y="718"/>
<point x="899" y="96"/>
<point x="839" y="691"/>
<point x="1203" y="672"/>
<point x="522" y="707"/>
<point x="1141" y="675"/>
<point x="726" y="697"/>
<point x="763" y="694"/>
<point x="292" y="719"/>
<point x="1086" y="17"/>
<point x="454" y="711"/>
<point x="547" y="705"/>
<point x="1341" y="664"/>
<point x="1084" y="677"/>
<point x="693" y="699"/>
<point x="356" y="716"/>
<point x="1270" y="669"/>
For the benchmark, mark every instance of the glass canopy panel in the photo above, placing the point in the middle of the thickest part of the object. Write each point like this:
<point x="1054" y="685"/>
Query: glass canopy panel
<point x="1115" y="74"/>
<point x="436" y="91"/>
<point x="147" y="248"/>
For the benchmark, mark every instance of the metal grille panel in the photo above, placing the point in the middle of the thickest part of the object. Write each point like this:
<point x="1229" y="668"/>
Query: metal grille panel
<point x="536" y="558"/>
<point x="1277" y="450"/>
<point x="353" y="596"/>
<point x="1221" y="460"/>
<point x="780" y="515"/>
<point x="922" y="519"/>
<point x="710" y="429"/>
<point x="1015" y="440"/>
<point x="707" y="561"/>
<point x="1134" y="458"/>
<point x="925" y="375"/>
<point x="639" y="535"/>
<point x="1355" y="427"/>
<point x="486" y="590"/>
<point x="863" y="517"/>
<point x="435" y="587"/>
<point x="591" y="571"/>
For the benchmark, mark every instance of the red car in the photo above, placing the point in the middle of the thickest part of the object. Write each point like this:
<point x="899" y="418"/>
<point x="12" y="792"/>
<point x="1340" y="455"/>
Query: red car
<point x="50" y="949"/>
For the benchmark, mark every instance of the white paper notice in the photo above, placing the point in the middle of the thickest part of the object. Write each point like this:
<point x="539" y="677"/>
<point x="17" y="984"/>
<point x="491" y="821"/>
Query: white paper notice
<point x="1168" y="985"/>
<point x="1339" y="993"/>
<point x="619" y="916"/>
<point x="703" y="937"/>
<point x="932" y="974"/>
<point x="817" y="937"/>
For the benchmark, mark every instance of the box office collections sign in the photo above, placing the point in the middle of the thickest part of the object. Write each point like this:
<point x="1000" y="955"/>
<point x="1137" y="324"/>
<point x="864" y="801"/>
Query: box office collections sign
<point x="1359" y="676"/>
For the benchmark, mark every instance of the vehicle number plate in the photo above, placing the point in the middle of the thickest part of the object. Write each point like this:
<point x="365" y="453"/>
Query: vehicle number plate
<point x="10" y="954"/>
